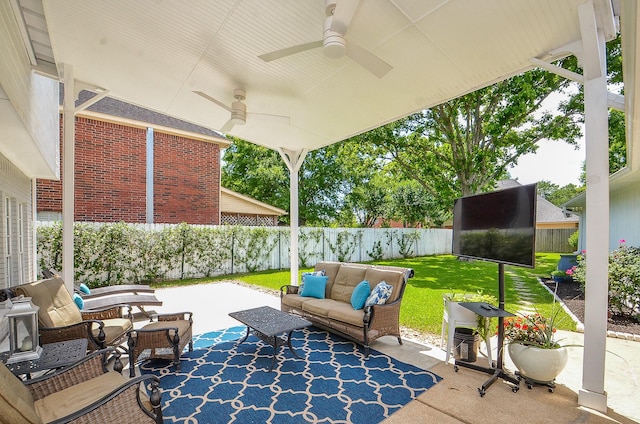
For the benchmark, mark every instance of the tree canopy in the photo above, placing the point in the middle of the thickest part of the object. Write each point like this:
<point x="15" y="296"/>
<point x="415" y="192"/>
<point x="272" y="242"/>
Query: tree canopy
<point x="412" y="169"/>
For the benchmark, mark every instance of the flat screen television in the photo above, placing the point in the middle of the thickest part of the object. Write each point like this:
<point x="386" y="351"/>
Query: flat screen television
<point x="499" y="226"/>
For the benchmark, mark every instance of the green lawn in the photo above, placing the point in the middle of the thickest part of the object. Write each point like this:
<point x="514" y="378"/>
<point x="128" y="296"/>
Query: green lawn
<point x="422" y="304"/>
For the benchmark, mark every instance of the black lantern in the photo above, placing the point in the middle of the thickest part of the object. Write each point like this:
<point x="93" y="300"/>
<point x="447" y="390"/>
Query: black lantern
<point x="24" y="339"/>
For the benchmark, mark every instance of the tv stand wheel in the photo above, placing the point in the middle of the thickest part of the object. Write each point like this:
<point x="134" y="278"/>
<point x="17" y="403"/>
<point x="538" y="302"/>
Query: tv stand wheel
<point x="455" y="368"/>
<point x="482" y="391"/>
<point x="529" y="386"/>
<point x="515" y="389"/>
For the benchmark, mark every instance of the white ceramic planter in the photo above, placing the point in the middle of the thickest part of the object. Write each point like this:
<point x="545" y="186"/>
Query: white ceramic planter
<point x="540" y="365"/>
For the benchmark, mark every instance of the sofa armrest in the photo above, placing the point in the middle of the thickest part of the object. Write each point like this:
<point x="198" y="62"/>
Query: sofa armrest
<point x="289" y="289"/>
<point x="378" y="316"/>
<point x="85" y="369"/>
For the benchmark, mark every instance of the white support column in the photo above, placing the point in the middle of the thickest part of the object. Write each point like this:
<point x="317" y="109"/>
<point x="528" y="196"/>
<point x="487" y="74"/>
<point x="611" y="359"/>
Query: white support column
<point x="68" y="171"/>
<point x="149" y="176"/>
<point x="592" y="393"/>
<point x="293" y="159"/>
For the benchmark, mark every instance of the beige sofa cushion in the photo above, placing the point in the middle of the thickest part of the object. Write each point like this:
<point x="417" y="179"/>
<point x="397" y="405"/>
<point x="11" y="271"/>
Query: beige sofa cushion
<point x="294" y="300"/>
<point x="57" y="308"/>
<point x="16" y="402"/>
<point x="391" y="277"/>
<point x="74" y="398"/>
<point x="320" y="307"/>
<point x="349" y="276"/>
<point x="344" y="312"/>
<point x="330" y="270"/>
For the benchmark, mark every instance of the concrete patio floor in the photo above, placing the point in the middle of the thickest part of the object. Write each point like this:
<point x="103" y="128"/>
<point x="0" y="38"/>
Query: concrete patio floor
<point x="455" y="399"/>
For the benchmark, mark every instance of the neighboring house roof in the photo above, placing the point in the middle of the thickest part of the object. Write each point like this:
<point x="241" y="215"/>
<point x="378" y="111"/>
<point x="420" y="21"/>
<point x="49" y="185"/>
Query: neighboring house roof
<point x="624" y="179"/>
<point x="130" y="114"/>
<point x="232" y="202"/>
<point x="546" y="212"/>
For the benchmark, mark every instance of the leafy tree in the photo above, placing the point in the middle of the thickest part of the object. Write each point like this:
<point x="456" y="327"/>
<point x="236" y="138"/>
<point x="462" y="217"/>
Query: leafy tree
<point x="326" y="178"/>
<point x="409" y="203"/>
<point x="463" y="146"/>
<point x="546" y="189"/>
<point x="556" y="194"/>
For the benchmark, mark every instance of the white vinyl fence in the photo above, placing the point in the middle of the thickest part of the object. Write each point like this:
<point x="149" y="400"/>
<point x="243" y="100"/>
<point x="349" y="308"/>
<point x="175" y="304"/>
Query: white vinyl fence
<point x="120" y="252"/>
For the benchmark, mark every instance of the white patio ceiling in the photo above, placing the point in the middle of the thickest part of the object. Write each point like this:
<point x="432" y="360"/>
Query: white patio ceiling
<point x="157" y="53"/>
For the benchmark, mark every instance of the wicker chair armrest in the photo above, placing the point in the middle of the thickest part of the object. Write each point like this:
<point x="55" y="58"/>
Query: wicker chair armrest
<point x="175" y="316"/>
<point x="84" y="369"/>
<point x="81" y="330"/>
<point x="383" y="315"/>
<point x="289" y="289"/>
<point x="115" y="311"/>
<point x="124" y="404"/>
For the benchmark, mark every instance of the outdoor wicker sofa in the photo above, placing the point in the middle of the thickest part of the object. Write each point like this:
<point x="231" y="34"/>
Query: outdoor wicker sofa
<point x="335" y="312"/>
<point x="84" y="392"/>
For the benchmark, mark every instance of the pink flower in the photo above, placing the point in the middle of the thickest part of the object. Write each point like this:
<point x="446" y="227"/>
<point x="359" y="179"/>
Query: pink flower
<point x="569" y="271"/>
<point x="622" y="241"/>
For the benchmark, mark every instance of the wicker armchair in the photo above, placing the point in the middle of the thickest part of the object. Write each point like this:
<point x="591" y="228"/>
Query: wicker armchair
<point x="164" y="338"/>
<point x="85" y="392"/>
<point x="60" y="319"/>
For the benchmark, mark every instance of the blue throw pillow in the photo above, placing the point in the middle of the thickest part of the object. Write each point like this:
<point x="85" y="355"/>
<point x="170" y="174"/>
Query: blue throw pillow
<point x="84" y="289"/>
<point x="79" y="300"/>
<point x="360" y="295"/>
<point x="305" y="274"/>
<point x="380" y="294"/>
<point x="314" y="286"/>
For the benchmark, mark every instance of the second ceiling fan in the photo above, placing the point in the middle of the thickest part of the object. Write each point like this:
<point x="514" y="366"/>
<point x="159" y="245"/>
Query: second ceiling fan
<point x="239" y="110"/>
<point x="334" y="42"/>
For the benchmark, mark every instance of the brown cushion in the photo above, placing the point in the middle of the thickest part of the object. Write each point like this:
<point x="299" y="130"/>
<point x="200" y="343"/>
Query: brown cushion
<point x="344" y="312"/>
<point x="349" y="276"/>
<point x="113" y="328"/>
<point x="320" y="307"/>
<point x="294" y="300"/>
<point x="57" y="308"/>
<point x="330" y="270"/>
<point x="76" y="397"/>
<point x="182" y="325"/>
<point x="16" y="402"/>
<point x="393" y="278"/>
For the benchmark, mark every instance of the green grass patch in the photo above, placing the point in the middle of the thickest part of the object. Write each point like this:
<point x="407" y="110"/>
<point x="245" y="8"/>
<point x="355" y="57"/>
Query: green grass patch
<point x="422" y="304"/>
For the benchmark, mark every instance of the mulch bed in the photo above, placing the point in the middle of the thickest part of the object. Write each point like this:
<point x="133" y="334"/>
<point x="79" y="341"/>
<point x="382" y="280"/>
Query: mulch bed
<point x="572" y="296"/>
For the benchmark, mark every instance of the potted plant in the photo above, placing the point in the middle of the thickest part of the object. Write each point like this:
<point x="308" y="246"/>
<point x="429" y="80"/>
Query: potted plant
<point x="533" y="348"/>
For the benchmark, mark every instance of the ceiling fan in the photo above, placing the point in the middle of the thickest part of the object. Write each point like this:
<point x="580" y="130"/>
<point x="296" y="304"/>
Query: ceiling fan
<point x="238" y="110"/>
<point x="334" y="43"/>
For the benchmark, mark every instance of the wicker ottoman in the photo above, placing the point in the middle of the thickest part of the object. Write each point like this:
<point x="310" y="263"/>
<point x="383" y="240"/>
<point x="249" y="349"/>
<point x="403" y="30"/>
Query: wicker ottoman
<point x="164" y="338"/>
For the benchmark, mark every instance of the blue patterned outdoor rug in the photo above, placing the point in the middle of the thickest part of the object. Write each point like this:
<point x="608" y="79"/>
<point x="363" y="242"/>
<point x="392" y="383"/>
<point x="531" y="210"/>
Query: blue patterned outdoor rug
<point x="222" y="382"/>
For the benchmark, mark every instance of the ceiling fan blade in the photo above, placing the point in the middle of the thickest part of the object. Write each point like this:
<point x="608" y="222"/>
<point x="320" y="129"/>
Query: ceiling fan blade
<point x="368" y="60"/>
<point x="343" y="14"/>
<point x="280" y="119"/>
<point x="227" y="126"/>
<point x="211" y="99"/>
<point x="268" y="57"/>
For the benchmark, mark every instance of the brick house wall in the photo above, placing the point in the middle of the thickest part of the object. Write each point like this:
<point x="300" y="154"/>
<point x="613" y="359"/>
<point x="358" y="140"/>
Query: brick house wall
<point x="186" y="180"/>
<point x="110" y="176"/>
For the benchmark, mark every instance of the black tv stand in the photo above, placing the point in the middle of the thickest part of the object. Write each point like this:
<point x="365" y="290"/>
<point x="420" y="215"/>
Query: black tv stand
<point x="490" y="311"/>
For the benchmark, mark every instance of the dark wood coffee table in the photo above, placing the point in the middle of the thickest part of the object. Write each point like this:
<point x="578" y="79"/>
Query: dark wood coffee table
<point x="270" y="325"/>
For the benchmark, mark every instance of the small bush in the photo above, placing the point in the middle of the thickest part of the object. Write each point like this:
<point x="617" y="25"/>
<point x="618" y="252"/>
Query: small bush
<point x="624" y="279"/>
